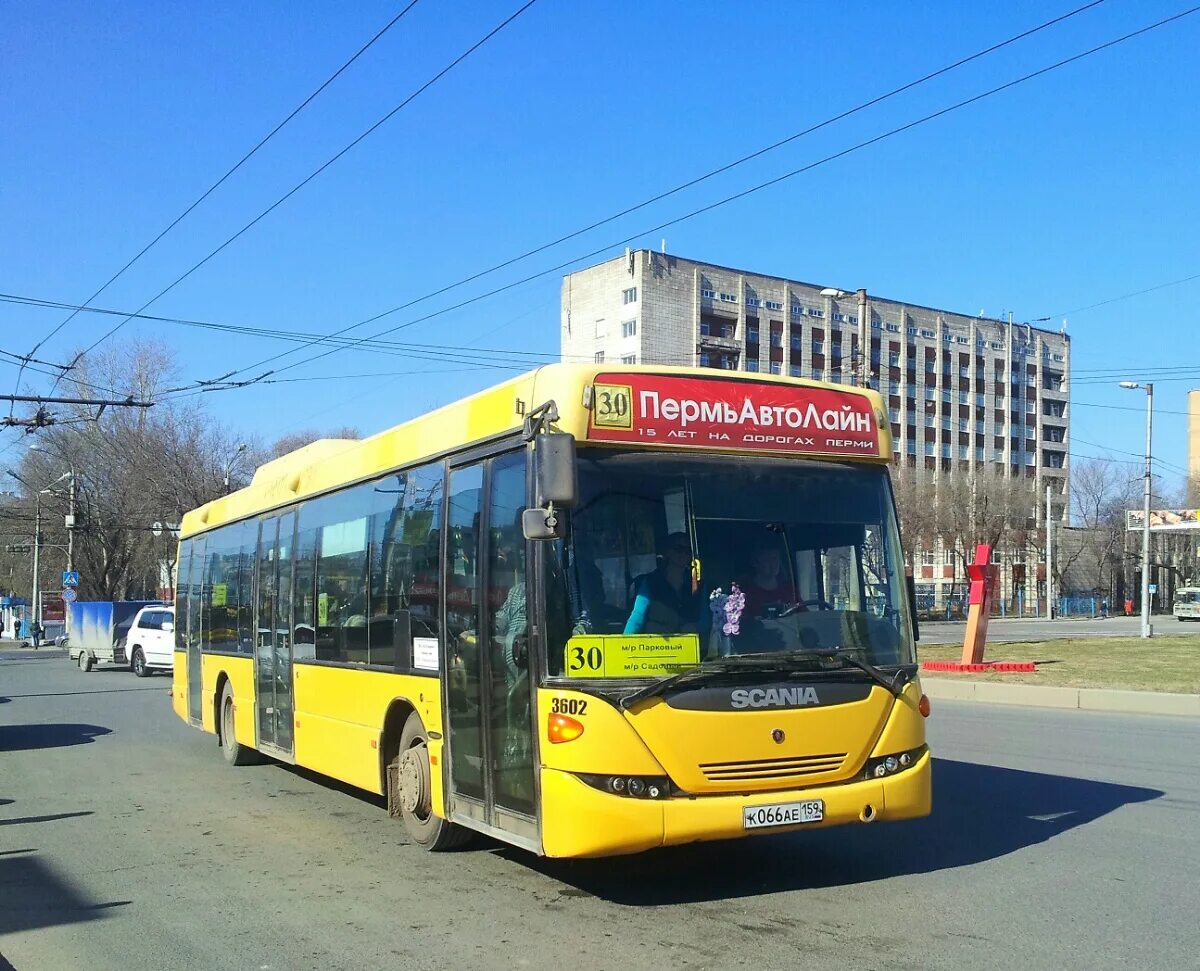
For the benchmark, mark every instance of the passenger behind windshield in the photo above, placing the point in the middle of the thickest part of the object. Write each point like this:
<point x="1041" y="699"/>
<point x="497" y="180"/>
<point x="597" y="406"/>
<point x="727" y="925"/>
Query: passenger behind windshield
<point x="770" y="588"/>
<point x="666" y="601"/>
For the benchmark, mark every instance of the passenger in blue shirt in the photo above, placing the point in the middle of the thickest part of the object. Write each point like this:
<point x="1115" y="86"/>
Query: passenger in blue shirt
<point x="664" y="601"/>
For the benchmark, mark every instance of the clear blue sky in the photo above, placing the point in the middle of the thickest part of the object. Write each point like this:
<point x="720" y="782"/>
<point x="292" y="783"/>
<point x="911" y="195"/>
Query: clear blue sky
<point x="1073" y="188"/>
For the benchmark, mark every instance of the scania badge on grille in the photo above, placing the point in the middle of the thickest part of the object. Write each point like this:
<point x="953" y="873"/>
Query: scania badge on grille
<point x="777" y="735"/>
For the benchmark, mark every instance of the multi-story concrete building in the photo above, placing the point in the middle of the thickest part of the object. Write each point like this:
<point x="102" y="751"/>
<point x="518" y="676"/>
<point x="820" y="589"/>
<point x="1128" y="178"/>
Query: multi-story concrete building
<point x="965" y="393"/>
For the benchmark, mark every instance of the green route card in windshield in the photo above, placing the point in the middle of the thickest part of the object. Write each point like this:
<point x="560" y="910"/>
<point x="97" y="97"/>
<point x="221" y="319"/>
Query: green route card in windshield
<point x="630" y="655"/>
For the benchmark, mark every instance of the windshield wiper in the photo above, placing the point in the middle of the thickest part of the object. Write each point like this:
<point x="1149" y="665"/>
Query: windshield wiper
<point x="724" y="665"/>
<point x="894" y="684"/>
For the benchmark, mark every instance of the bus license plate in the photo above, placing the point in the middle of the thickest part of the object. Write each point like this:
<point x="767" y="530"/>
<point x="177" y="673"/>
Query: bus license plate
<point x="783" y="814"/>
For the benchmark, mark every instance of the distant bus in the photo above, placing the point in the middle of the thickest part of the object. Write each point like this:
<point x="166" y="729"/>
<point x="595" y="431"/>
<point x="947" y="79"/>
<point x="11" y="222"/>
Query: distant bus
<point x="591" y="611"/>
<point x="1187" y="603"/>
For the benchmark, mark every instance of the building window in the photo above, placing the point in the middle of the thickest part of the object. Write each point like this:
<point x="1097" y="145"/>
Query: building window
<point x="629" y="328"/>
<point x="797" y="310"/>
<point x="794" y="370"/>
<point x="929" y="448"/>
<point x="629" y="296"/>
<point x="777" y="339"/>
<point x="753" y="302"/>
<point x="930" y="394"/>
<point x="728" y="363"/>
<point x="752" y="364"/>
<point x="729" y="297"/>
<point x="894" y="328"/>
<point x="929" y="421"/>
<point x="706" y="294"/>
<point x="963" y="340"/>
<point x="927" y="333"/>
<point x="796" y="345"/>
<point x="815" y="312"/>
<point x="777" y="367"/>
<point x="876" y="325"/>
<point x="841" y="317"/>
<point x="912" y="447"/>
<point x="629" y="359"/>
<point x="752" y="334"/>
<point x="893" y="358"/>
<point x="851" y="319"/>
<point x="894" y="414"/>
<point x="818" y="347"/>
<point x="599" y="359"/>
<point x="705" y="359"/>
<point x="774" y="305"/>
<point x="945" y="451"/>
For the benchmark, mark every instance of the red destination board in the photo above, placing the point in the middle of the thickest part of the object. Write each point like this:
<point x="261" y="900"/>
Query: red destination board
<point x="730" y="413"/>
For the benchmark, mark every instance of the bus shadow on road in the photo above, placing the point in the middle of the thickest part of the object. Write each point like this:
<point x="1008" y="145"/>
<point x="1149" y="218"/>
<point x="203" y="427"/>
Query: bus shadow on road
<point x="38" y="897"/>
<point x="981" y="813"/>
<point x="22" y="738"/>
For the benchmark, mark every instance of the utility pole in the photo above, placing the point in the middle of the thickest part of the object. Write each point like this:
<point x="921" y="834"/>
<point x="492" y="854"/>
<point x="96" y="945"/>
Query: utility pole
<point x="1049" y="558"/>
<point x="37" y="546"/>
<point x="1147" y="629"/>
<point x="70" y="524"/>
<point x="864" y="339"/>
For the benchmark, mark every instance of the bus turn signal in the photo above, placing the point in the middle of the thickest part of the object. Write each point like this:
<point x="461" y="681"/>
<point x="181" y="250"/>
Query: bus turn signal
<point x="562" y="728"/>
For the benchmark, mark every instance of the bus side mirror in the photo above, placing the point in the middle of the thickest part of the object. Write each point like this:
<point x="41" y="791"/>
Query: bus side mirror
<point x="912" y="605"/>
<point x="555" y="479"/>
<point x="538" y="524"/>
<point x="554" y="462"/>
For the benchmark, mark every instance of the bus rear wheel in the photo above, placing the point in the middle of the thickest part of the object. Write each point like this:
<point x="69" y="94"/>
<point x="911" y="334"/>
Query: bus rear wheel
<point x="235" y="753"/>
<point x="410" y="793"/>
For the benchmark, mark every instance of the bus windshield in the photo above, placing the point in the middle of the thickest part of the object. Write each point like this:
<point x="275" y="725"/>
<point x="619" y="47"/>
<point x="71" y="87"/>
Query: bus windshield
<point x="727" y="556"/>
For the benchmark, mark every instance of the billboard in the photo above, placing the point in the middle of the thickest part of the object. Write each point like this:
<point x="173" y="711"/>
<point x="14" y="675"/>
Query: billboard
<point x="732" y="413"/>
<point x="1164" y="520"/>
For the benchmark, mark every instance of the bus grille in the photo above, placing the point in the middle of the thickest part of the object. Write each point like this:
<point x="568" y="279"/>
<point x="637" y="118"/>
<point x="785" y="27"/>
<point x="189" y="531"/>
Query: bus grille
<point x="773" y="769"/>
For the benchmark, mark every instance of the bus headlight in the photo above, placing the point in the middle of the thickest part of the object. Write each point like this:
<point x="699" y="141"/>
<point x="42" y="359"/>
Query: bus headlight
<point x="881" y="768"/>
<point x="635" y="786"/>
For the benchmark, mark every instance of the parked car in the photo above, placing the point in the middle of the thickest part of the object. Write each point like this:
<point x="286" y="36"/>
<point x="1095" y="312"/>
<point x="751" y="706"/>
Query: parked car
<point x="151" y="641"/>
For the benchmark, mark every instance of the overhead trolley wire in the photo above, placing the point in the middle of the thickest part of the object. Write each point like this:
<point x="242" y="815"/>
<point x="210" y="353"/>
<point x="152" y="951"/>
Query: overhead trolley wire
<point x="729" y="166"/>
<point x="309" y="178"/>
<point x="925" y="119"/>
<point x="237" y="165"/>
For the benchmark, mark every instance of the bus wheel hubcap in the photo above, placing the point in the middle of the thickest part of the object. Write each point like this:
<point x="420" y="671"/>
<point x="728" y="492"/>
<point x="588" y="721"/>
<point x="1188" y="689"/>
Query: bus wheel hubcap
<point x="414" y="781"/>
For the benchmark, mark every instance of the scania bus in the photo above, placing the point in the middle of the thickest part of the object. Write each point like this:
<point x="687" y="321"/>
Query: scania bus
<point x="591" y="611"/>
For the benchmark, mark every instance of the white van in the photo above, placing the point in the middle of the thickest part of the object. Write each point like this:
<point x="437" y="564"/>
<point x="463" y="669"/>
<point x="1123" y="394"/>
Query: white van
<point x="151" y="641"/>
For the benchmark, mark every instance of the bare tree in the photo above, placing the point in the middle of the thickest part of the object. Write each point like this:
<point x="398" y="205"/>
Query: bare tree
<point x="131" y="467"/>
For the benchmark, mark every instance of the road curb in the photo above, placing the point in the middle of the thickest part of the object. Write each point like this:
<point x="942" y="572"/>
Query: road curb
<point x="1086" y="699"/>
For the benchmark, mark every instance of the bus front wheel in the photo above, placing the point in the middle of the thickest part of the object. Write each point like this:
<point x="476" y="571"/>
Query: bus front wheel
<point x="410" y="794"/>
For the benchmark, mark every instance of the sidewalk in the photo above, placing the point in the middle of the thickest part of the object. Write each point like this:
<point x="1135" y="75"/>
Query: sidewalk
<point x="1087" y="699"/>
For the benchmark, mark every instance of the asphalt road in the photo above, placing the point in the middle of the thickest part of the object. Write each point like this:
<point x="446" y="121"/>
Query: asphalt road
<point x="1060" y="840"/>
<point x="1000" y="630"/>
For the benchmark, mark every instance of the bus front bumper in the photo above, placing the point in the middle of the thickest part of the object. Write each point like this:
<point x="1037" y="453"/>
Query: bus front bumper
<point x="579" y="821"/>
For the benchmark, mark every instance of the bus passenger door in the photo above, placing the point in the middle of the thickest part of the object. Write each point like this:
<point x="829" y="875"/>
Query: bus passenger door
<point x="487" y="622"/>
<point x="273" y="651"/>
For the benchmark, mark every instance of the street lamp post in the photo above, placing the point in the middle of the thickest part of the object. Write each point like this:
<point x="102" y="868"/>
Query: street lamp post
<point x="1147" y="629"/>
<point x="862" y="377"/>
<point x="232" y="462"/>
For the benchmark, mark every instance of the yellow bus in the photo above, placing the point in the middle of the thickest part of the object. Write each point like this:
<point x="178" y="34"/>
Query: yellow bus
<point x="591" y="611"/>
